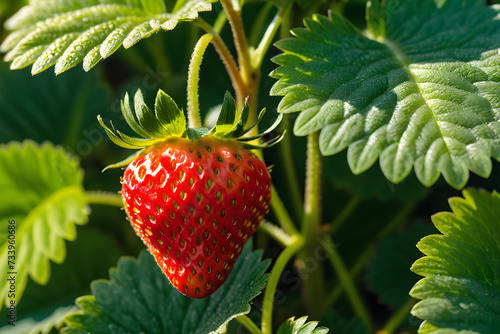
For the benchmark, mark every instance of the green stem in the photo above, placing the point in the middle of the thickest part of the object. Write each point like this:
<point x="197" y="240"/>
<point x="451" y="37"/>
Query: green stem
<point x="272" y="284"/>
<point x="347" y="282"/>
<point x="356" y="269"/>
<point x="265" y="43"/>
<point x="313" y="281"/>
<point x="227" y="59"/>
<point x="193" y="103"/>
<point x="104" y="198"/>
<point x="245" y="321"/>
<point x="367" y="254"/>
<point x="276" y="233"/>
<point x="397" y="318"/>
<point x="259" y="23"/>
<point x="235" y="20"/>
<point x="281" y="213"/>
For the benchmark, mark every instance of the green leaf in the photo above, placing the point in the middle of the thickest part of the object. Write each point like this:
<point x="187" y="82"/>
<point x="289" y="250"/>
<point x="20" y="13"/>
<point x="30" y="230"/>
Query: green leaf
<point x="67" y="32"/>
<point x="299" y="326"/>
<point x="389" y="273"/>
<point x="339" y="325"/>
<point x="61" y="110"/>
<point x="421" y="92"/>
<point x="88" y="257"/>
<point x="139" y="298"/>
<point x="461" y="289"/>
<point x="42" y="193"/>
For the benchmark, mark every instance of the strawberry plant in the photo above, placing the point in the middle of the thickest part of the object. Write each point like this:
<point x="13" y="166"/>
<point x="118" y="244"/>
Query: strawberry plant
<point x="218" y="173"/>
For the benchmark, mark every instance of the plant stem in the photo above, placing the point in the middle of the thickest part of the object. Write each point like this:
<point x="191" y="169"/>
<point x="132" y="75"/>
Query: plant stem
<point x="240" y="39"/>
<point x="397" y="318"/>
<point x="313" y="281"/>
<point x="399" y="219"/>
<point x="277" y="233"/>
<point x="346" y="282"/>
<point x="245" y="321"/>
<point x="227" y="59"/>
<point x="193" y="103"/>
<point x="260" y="52"/>
<point x="281" y="213"/>
<point x="104" y="198"/>
<point x="272" y="284"/>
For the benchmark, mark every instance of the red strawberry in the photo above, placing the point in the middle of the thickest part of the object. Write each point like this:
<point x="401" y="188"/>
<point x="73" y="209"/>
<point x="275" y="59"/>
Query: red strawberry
<point x="194" y="202"/>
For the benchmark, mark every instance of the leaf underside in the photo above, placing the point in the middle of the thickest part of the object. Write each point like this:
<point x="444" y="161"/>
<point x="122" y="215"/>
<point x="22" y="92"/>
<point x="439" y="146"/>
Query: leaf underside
<point x="420" y="91"/>
<point x="140" y="299"/>
<point x="67" y="32"/>
<point x="42" y="192"/>
<point x="461" y="289"/>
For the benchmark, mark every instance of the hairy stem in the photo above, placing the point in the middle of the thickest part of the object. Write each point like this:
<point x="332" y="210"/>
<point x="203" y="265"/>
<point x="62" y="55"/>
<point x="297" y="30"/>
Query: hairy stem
<point x="272" y="284"/>
<point x="104" y="198"/>
<point x="313" y="281"/>
<point x="347" y="282"/>
<point x="245" y="321"/>
<point x="193" y="103"/>
<point x="228" y="61"/>
<point x="276" y="233"/>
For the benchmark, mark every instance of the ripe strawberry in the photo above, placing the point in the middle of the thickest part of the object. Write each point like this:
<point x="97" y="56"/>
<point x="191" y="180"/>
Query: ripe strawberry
<point x="193" y="201"/>
<point x="195" y="204"/>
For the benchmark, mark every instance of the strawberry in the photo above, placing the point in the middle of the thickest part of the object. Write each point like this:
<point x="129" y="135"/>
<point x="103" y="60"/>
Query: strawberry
<point x="195" y="204"/>
<point x="193" y="201"/>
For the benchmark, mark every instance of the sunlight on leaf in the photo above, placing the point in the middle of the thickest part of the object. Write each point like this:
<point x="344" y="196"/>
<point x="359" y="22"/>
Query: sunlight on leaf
<point x="461" y="288"/>
<point x="42" y="192"/>
<point x="421" y="92"/>
<point x="139" y="298"/>
<point x="67" y="32"/>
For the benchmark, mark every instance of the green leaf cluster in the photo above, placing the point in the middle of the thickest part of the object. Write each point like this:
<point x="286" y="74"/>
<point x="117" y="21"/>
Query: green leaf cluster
<point x="461" y="288"/>
<point x="420" y="92"/>
<point x="65" y="33"/>
<point x="301" y="326"/>
<point x="139" y="298"/>
<point x="42" y="192"/>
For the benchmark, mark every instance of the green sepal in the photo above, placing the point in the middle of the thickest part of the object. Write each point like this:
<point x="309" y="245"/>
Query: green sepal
<point x="197" y="133"/>
<point x="267" y="144"/>
<point x="169" y="115"/>
<point x="269" y="125"/>
<point x="114" y="138"/>
<point x="240" y="127"/>
<point x="125" y="162"/>
<point x="227" y="121"/>
<point x="147" y="118"/>
<point x="130" y="117"/>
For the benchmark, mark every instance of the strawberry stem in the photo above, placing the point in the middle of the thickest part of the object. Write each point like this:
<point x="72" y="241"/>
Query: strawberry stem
<point x="281" y="213"/>
<point x="397" y="318"/>
<point x="104" y="198"/>
<point x="272" y="284"/>
<point x="193" y="112"/>
<point x="249" y="324"/>
<point x="313" y="281"/>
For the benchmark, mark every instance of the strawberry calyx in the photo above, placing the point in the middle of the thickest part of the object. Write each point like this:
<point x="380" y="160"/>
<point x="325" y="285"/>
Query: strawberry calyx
<point x="168" y="121"/>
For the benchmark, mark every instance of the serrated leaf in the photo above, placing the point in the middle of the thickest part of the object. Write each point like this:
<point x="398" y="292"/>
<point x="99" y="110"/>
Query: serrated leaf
<point x="139" y="298"/>
<point x="461" y="289"/>
<point x="338" y="325"/>
<point x="67" y="32"/>
<point x="301" y="326"/>
<point x="389" y="273"/>
<point x="45" y="307"/>
<point x="42" y="192"/>
<point x="421" y="92"/>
